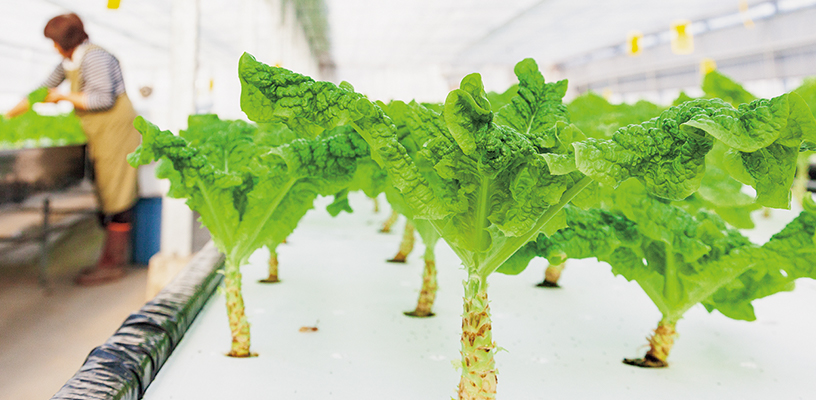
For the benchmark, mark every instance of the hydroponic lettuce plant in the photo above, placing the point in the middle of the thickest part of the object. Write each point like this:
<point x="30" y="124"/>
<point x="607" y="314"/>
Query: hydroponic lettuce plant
<point x="597" y="118"/>
<point x="416" y="125"/>
<point x="199" y="130"/>
<point x="275" y="134"/>
<point x="679" y="259"/>
<point x="248" y="195"/>
<point x="398" y="111"/>
<point x="718" y="192"/>
<point x="430" y="237"/>
<point x="717" y="85"/>
<point x="668" y="153"/>
<point x="499" y="180"/>
<point x="488" y="193"/>
<point x="757" y="134"/>
<point x="757" y="144"/>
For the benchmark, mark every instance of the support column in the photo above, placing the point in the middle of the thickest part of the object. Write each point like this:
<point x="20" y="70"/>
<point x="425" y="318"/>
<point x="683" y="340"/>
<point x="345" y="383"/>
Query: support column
<point x="177" y="219"/>
<point x="249" y="27"/>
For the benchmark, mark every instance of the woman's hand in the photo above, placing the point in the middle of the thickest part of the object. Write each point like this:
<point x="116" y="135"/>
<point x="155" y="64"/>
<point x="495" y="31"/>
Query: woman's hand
<point x="54" y="96"/>
<point x="76" y="98"/>
<point x="19" y="109"/>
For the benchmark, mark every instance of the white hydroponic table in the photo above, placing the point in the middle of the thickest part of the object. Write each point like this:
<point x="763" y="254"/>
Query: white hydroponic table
<point x="560" y="344"/>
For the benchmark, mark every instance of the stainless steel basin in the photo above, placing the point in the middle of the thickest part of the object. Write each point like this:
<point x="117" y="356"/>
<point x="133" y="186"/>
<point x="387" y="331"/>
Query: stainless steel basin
<point x="24" y="172"/>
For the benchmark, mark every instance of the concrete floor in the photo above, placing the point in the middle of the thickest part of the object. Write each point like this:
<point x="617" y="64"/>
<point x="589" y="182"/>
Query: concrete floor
<point x="45" y="335"/>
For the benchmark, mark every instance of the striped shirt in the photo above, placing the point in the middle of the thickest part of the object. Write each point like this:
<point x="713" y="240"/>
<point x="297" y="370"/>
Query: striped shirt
<point x="101" y="79"/>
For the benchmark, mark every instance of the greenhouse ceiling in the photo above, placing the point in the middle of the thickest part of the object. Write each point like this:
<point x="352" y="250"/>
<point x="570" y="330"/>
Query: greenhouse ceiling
<point x="382" y="33"/>
<point x="360" y="36"/>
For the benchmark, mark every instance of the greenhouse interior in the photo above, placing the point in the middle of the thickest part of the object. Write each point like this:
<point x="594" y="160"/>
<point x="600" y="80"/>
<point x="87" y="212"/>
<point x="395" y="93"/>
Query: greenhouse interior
<point x="358" y="199"/>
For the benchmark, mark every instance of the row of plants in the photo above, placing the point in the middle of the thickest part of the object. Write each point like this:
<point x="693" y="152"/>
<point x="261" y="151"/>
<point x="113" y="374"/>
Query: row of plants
<point x="720" y="199"/>
<point x="501" y="185"/>
<point x="35" y="130"/>
<point x="596" y="117"/>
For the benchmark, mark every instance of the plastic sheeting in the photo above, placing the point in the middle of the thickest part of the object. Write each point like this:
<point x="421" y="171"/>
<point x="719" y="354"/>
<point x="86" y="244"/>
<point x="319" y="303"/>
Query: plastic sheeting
<point x="124" y="366"/>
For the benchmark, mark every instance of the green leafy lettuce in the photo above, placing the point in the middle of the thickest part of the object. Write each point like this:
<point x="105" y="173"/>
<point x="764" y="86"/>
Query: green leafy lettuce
<point x="499" y="100"/>
<point x="481" y="182"/>
<point x="38" y="95"/>
<point x="248" y="195"/>
<point x="679" y="259"/>
<point x="598" y="118"/>
<point x="717" y="85"/>
<point x="667" y="154"/>
<point x="34" y="130"/>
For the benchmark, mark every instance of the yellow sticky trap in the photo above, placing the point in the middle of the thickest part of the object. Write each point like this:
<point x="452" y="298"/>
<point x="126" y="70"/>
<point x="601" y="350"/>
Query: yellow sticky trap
<point x="746" y="19"/>
<point x="682" y="42"/>
<point x="113" y="4"/>
<point x="707" y="65"/>
<point x="212" y="84"/>
<point x="633" y="43"/>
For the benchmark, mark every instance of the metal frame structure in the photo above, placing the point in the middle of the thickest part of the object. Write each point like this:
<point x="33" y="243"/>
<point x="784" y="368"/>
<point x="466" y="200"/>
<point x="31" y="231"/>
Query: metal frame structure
<point x="774" y="45"/>
<point x="44" y="233"/>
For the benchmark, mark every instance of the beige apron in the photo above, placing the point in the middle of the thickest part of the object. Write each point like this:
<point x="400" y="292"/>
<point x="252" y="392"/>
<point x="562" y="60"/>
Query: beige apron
<point x="111" y="137"/>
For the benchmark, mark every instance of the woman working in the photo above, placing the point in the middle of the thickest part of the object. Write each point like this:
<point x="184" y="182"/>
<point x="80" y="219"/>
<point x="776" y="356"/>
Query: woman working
<point x="100" y="102"/>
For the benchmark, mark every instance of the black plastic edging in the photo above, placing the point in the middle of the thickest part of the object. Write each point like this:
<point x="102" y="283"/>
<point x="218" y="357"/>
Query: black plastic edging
<point x="124" y="366"/>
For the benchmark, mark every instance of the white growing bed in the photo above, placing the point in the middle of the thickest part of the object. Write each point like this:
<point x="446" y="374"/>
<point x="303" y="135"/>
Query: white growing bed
<point x="561" y="344"/>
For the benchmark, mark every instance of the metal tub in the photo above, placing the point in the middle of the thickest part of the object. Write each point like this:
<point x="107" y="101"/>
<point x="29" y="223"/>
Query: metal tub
<point x="24" y="172"/>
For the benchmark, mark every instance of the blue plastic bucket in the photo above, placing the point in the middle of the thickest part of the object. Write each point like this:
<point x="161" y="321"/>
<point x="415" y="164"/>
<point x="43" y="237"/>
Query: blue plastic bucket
<point x="146" y="229"/>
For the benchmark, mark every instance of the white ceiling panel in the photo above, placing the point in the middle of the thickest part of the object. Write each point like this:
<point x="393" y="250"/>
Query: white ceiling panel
<point x="382" y="33"/>
<point x="376" y="38"/>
